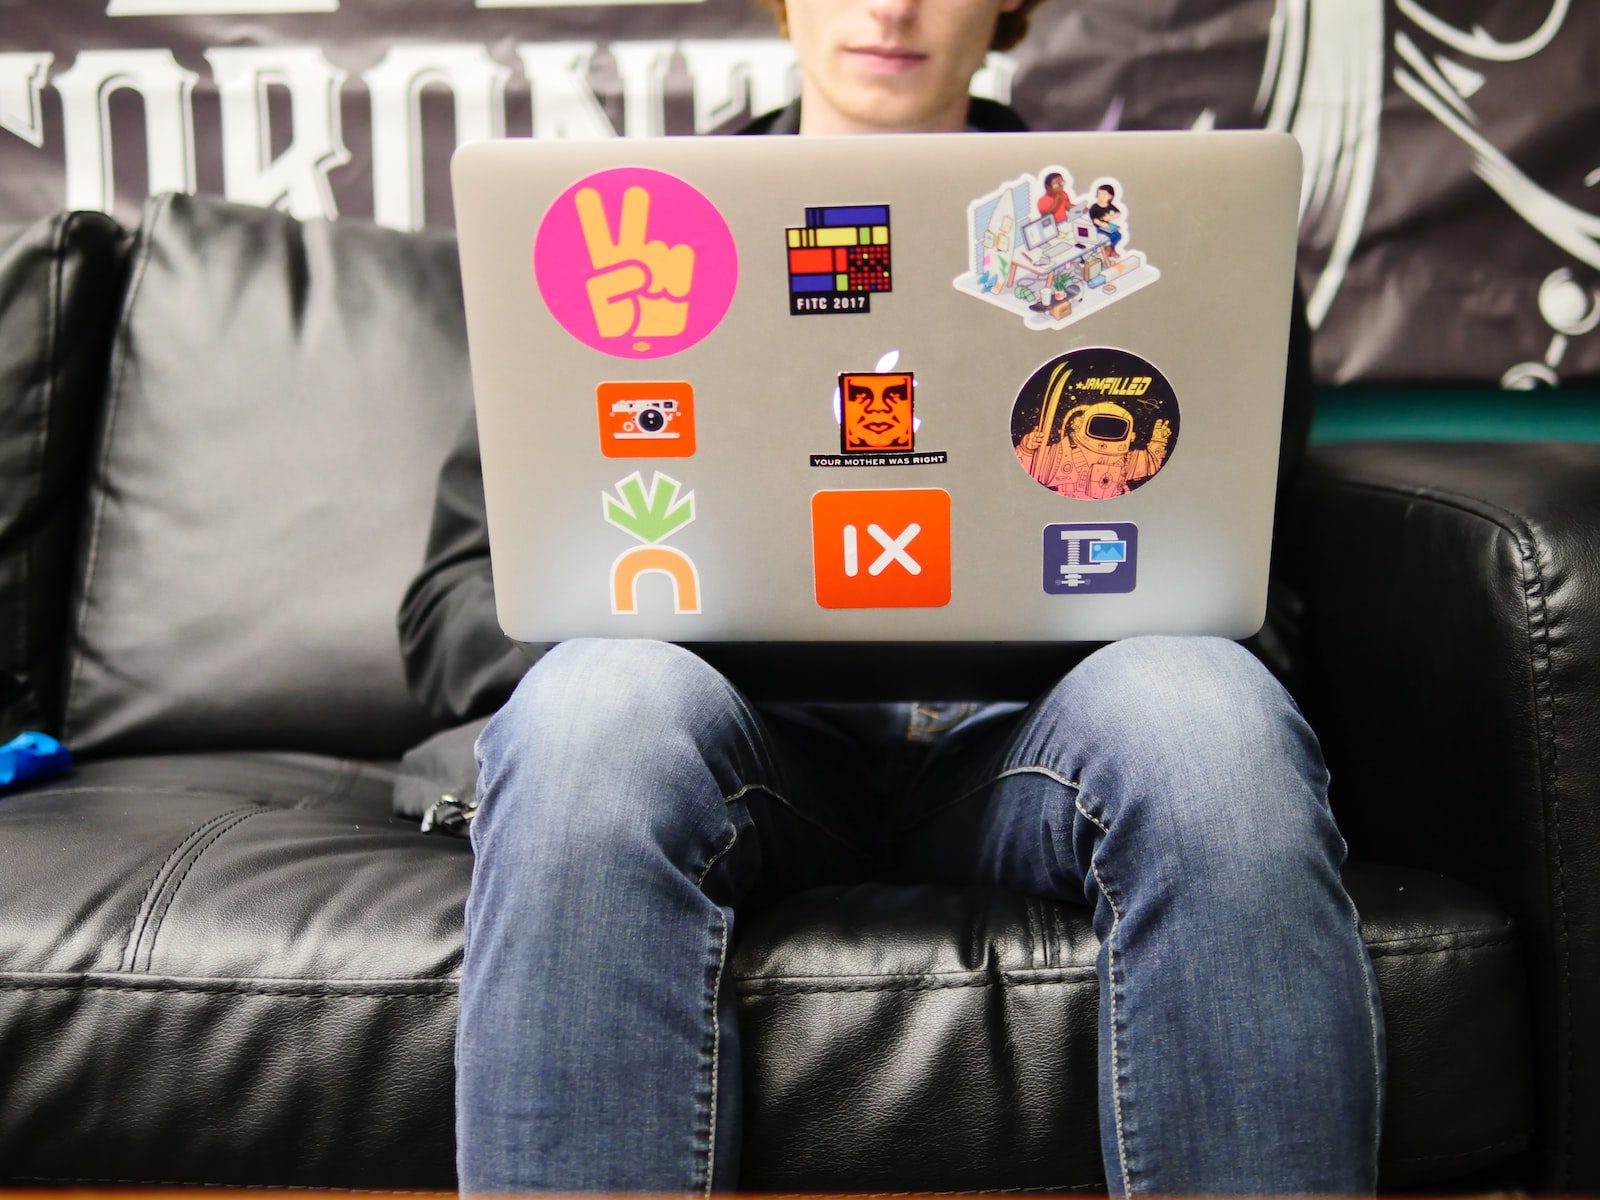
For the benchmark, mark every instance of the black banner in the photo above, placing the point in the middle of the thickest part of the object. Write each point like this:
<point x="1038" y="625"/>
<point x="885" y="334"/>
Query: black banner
<point x="1451" y="211"/>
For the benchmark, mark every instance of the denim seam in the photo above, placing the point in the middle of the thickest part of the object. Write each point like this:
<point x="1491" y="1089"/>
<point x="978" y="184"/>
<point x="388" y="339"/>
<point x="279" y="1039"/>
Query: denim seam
<point x="988" y="783"/>
<point x="1087" y="976"/>
<point x="716" y="1024"/>
<point x="806" y="817"/>
<point x="1111" y="989"/>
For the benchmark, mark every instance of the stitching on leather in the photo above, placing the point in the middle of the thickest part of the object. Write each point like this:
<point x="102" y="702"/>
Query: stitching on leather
<point x="440" y="990"/>
<point x="1384" y="951"/>
<point x="141" y="914"/>
<point x="1515" y="1143"/>
<point x="257" y="1187"/>
<point x="1541" y="669"/>
<point x="52" y="346"/>
<point x="154" y="927"/>
<point x="113" y="406"/>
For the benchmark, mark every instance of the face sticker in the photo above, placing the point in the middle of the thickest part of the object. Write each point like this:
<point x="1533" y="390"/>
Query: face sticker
<point x="1095" y="423"/>
<point x="651" y="516"/>
<point x="635" y="263"/>
<point x="646" y="420"/>
<point x="1051" y="253"/>
<point x="881" y="549"/>
<point x="838" y="258"/>
<point x="1088" y="560"/>
<point x="877" y="420"/>
<point x="876" y="413"/>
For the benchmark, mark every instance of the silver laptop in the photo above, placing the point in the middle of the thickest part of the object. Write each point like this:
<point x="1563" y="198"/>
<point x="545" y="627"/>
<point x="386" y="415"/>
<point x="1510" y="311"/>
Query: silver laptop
<point x="919" y="388"/>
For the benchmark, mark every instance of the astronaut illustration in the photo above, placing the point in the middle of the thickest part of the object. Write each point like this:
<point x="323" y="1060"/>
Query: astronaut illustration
<point x="1094" y="458"/>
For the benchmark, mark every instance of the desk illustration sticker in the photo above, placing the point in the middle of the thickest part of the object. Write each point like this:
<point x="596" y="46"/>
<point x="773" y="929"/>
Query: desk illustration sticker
<point x="1053" y="254"/>
<point x="635" y="263"/>
<point x="1095" y="423"/>
<point x="838" y="258"/>
<point x="651" y="515"/>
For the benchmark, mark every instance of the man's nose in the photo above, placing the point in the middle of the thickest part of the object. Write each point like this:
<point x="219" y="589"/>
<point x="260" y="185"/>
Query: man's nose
<point x="894" y="14"/>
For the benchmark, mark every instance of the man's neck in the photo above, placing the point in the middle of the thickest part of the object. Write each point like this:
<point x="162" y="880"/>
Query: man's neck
<point x="818" y="117"/>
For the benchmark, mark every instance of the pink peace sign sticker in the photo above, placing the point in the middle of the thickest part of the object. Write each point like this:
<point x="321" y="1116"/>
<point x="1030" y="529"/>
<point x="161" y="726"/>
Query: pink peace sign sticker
<point x="635" y="263"/>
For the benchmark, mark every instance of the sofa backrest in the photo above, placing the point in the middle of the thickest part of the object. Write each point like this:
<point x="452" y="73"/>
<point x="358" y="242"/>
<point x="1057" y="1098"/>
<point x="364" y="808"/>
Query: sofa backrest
<point x="281" y="397"/>
<point x="59" y="283"/>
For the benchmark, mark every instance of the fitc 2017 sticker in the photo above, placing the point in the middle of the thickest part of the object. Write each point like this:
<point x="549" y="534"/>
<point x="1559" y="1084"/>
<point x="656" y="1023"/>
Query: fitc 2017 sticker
<point x="1095" y="423"/>
<point x="838" y="258"/>
<point x="635" y="263"/>
<point x="1051" y="253"/>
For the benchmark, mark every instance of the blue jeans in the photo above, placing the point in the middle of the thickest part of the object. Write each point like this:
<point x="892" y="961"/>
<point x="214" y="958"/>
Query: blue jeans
<point x="631" y="799"/>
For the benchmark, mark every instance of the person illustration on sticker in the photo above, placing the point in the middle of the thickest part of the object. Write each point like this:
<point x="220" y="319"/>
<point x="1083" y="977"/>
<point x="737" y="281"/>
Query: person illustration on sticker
<point x="1056" y="201"/>
<point x="1094" y="458"/>
<point x="1103" y="214"/>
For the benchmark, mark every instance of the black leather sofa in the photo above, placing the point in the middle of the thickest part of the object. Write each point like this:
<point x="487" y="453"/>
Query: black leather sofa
<point x="223" y="961"/>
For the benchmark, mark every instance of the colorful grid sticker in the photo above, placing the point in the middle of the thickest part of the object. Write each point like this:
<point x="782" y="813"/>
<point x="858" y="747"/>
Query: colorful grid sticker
<point x="839" y="258"/>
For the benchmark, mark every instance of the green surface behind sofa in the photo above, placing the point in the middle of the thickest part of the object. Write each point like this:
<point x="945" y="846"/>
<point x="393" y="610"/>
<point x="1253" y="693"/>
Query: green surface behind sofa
<point x="1348" y="414"/>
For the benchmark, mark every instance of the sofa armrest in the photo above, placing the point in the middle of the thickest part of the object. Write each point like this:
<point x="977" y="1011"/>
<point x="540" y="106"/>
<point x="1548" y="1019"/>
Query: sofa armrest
<point x="1452" y="670"/>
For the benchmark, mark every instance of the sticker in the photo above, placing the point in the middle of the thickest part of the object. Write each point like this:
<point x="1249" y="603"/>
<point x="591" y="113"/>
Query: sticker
<point x="635" y="263"/>
<point x="838" y="258"/>
<point x="877" y="421"/>
<point x="881" y="549"/>
<point x="1095" y="423"/>
<point x="1053" y="255"/>
<point x="651" y="516"/>
<point x="646" y="420"/>
<point x="1087" y="560"/>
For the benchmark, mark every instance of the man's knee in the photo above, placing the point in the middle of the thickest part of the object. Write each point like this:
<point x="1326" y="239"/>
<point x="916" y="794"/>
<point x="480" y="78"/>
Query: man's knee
<point x="608" y="741"/>
<point x="1195" y="741"/>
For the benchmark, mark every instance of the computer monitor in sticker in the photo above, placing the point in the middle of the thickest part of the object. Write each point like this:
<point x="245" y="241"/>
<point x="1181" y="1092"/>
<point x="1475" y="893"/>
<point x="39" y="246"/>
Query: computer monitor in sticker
<point x="838" y="258"/>
<point x="1095" y="423"/>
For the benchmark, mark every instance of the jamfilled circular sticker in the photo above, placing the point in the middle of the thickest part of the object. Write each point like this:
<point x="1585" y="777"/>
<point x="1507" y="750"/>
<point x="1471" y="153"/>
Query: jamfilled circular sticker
<point x="1095" y="423"/>
<point x="635" y="263"/>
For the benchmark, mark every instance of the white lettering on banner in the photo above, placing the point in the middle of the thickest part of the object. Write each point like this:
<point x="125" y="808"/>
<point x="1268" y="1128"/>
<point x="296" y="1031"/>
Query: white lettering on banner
<point x="215" y="8"/>
<point x="571" y="3"/>
<point x="564" y="105"/>
<point x="85" y="90"/>
<point x="21" y="85"/>
<point x="729" y="72"/>
<point x="296" y="180"/>
<point x="475" y="80"/>
<point x="643" y="67"/>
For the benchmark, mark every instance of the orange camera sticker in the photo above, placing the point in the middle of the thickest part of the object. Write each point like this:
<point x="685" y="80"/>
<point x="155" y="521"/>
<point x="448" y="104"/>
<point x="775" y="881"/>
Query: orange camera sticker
<point x="1095" y="423"/>
<point x="646" y="420"/>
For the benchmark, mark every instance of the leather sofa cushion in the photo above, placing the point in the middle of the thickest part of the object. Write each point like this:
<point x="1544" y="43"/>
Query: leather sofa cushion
<point x="239" y="969"/>
<point x="59" y="283"/>
<point x="283" y="399"/>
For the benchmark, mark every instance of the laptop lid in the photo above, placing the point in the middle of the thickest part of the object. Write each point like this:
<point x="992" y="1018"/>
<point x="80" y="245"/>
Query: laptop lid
<point x="832" y="390"/>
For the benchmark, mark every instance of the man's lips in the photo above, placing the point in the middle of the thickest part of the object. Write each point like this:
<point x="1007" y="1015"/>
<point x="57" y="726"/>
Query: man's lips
<point x="889" y="59"/>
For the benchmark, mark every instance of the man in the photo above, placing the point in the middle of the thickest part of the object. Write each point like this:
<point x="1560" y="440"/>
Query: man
<point x="631" y="800"/>
<point x="1104" y="213"/>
